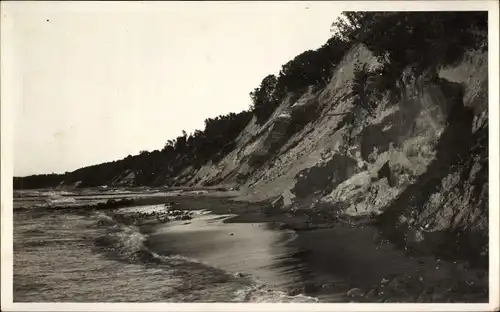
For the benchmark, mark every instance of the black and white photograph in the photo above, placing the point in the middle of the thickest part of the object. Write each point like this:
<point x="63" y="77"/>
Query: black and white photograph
<point x="314" y="152"/>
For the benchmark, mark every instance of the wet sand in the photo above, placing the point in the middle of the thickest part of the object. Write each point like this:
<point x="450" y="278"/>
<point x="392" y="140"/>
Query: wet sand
<point x="246" y="248"/>
<point x="324" y="263"/>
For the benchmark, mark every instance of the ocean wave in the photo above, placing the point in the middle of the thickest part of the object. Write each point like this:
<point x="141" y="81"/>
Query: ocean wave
<point x="128" y="243"/>
<point x="33" y="231"/>
<point x="105" y="220"/>
<point x="53" y="198"/>
<point x="147" y="209"/>
<point x="121" y="240"/>
<point x="262" y="293"/>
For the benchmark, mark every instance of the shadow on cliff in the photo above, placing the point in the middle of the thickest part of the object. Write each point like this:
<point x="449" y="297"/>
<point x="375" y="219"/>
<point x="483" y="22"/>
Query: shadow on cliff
<point x="453" y="149"/>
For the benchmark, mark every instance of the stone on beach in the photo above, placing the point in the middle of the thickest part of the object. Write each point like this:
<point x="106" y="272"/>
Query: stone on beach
<point x="355" y="293"/>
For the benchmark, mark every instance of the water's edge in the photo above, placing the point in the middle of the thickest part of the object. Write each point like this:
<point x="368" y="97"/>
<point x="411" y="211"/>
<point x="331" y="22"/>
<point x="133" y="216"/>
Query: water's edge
<point x="225" y="251"/>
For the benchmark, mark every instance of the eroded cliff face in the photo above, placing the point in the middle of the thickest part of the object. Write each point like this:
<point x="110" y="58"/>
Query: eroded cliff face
<point x="419" y="162"/>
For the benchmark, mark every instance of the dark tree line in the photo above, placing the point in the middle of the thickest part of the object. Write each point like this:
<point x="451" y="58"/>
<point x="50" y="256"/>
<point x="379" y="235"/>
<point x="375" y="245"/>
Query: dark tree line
<point x="37" y="181"/>
<point x="310" y="68"/>
<point x="157" y="167"/>
<point x="423" y="40"/>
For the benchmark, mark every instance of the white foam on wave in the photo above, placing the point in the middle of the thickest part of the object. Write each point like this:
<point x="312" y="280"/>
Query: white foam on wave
<point x="129" y="242"/>
<point x="200" y="212"/>
<point x="59" y="200"/>
<point x="150" y="209"/>
<point x="142" y="209"/>
<point x="125" y="238"/>
<point x="257" y="292"/>
<point x="55" y="194"/>
<point x="260" y="293"/>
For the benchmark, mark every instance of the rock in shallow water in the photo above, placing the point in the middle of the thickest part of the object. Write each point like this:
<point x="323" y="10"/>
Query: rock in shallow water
<point x="355" y="293"/>
<point x="384" y="281"/>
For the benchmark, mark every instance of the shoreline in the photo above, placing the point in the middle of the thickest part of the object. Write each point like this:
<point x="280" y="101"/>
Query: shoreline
<point x="314" y="234"/>
<point x="220" y="201"/>
<point x="417" y="285"/>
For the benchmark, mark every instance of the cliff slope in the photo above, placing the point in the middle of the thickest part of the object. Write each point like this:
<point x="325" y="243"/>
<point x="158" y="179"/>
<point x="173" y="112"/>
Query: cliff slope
<point x="418" y="162"/>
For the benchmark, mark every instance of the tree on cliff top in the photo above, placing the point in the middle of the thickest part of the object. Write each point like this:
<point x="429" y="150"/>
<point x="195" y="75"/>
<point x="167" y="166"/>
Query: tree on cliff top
<point x="310" y="68"/>
<point x="422" y="40"/>
<point x="264" y="98"/>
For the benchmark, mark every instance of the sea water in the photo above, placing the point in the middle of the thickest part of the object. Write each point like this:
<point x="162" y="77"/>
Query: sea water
<point x="88" y="256"/>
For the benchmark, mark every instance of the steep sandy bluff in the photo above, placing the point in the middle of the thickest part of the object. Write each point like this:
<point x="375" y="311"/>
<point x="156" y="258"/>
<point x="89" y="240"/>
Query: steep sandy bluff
<point x="267" y="158"/>
<point x="420" y="160"/>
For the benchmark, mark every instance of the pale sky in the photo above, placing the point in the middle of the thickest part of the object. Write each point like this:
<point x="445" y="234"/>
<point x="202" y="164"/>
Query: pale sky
<point x="102" y="81"/>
